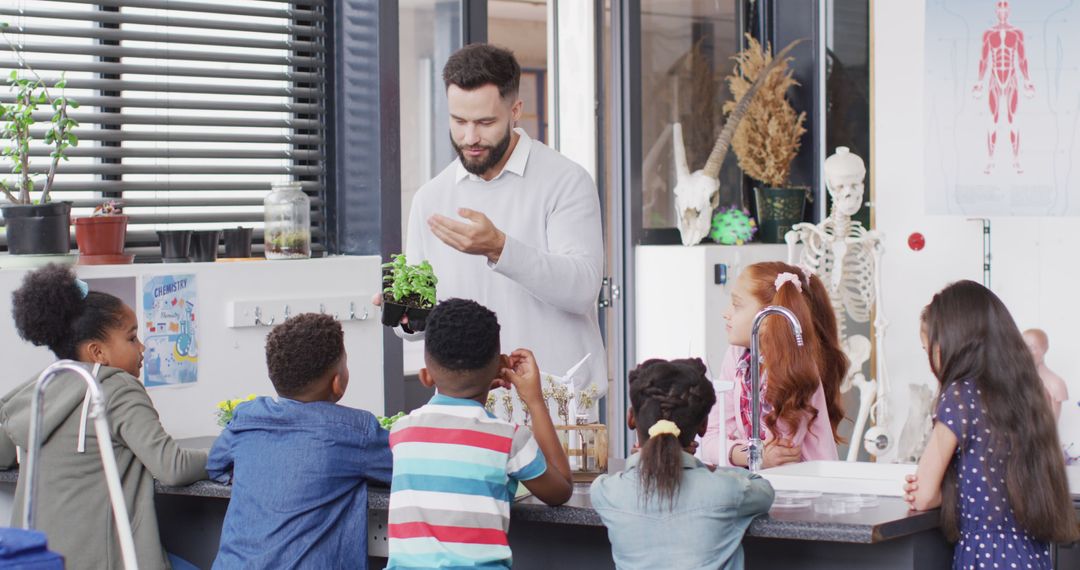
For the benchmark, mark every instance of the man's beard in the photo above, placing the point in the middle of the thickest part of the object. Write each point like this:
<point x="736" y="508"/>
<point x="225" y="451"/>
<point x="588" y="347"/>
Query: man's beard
<point x="495" y="154"/>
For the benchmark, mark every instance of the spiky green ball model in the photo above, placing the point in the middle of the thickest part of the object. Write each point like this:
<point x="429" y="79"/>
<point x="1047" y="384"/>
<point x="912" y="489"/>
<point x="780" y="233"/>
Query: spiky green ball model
<point x="732" y="226"/>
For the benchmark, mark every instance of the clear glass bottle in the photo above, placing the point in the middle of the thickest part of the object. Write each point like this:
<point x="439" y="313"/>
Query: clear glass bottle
<point x="587" y="442"/>
<point x="288" y="222"/>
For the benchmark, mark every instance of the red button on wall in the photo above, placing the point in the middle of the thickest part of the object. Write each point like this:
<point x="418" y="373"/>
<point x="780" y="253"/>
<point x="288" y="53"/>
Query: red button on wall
<point x="916" y="241"/>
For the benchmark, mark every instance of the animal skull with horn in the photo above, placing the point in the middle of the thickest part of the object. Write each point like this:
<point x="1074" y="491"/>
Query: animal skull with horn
<point x="697" y="193"/>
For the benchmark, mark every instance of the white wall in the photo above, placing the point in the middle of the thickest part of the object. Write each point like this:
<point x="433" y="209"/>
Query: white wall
<point x="232" y="361"/>
<point x="1034" y="268"/>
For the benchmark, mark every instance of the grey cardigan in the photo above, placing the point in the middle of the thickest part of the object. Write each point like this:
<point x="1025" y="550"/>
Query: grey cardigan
<point x="72" y="503"/>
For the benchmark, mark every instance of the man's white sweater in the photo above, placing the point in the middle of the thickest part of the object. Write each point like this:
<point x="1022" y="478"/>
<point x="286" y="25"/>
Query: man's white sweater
<point x="545" y="285"/>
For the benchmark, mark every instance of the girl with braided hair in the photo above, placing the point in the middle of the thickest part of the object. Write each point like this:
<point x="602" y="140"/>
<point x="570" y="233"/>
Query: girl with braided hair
<point x="699" y="506"/>
<point x="800" y="386"/>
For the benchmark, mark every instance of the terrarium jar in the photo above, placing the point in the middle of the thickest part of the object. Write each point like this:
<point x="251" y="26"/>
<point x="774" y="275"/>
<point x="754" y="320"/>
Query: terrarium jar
<point x="288" y="222"/>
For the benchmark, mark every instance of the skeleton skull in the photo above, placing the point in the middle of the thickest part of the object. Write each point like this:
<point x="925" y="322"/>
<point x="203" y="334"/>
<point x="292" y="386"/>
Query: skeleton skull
<point x="844" y="174"/>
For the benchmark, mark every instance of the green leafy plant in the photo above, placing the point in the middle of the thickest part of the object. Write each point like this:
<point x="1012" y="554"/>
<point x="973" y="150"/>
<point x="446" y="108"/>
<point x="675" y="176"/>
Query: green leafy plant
<point x="412" y="285"/>
<point x="17" y="120"/>
<point x="388" y="422"/>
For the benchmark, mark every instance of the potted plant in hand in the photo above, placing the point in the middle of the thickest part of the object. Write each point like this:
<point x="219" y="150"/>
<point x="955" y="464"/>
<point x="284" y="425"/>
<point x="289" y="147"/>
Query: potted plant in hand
<point x="768" y="139"/>
<point x="100" y="237"/>
<point x="35" y="226"/>
<point x="409" y="291"/>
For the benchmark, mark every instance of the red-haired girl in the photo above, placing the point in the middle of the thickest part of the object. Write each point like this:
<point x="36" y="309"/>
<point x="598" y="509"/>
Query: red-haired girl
<point x="800" y="388"/>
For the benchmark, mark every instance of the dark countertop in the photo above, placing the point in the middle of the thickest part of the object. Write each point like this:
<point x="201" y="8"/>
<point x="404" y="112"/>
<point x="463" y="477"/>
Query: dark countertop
<point x="890" y="519"/>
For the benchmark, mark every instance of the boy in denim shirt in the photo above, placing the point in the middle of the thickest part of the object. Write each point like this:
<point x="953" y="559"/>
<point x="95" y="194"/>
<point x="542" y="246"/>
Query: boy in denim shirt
<point x="300" y="464"/>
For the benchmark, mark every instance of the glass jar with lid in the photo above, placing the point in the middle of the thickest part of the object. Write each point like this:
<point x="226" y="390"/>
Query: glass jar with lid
<point x="287" y="234"/>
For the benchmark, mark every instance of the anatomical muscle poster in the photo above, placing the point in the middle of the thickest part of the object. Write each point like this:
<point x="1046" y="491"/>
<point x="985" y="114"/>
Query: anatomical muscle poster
<point x="1002" y="103"/>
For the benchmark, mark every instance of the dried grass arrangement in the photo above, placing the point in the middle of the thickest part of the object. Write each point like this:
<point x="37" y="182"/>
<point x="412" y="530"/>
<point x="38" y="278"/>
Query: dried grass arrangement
<point x="769" y="137"/>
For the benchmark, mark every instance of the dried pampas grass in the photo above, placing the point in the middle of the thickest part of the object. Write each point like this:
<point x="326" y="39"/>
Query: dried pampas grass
<point x="768" y="138"/>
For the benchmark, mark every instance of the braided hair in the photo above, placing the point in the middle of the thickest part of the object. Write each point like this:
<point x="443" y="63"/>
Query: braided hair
<point x="677" y="391"/>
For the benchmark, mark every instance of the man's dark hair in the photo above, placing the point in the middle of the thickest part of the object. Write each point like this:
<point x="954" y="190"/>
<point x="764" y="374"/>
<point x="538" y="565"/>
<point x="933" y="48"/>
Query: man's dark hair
<point x="301" y="350"/>
<point x="461" y="342"/>
<point x="477" y="65"/>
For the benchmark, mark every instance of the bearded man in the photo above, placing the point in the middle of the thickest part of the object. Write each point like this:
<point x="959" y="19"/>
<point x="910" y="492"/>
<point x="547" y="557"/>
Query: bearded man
<point x="513" y="224"/>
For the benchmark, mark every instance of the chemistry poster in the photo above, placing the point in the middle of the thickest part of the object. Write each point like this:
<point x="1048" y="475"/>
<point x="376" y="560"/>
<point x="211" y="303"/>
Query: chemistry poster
<point x="170" y="330"/>
<point x="1002" y="102"/>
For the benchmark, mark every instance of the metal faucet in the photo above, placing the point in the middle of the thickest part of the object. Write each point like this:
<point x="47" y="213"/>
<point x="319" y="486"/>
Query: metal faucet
<point x="754" y="451"/>
<point x="104" y="437"/>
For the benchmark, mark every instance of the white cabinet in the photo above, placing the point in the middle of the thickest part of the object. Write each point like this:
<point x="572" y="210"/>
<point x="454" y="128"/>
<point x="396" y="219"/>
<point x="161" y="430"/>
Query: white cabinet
<point x="682" y="293"/>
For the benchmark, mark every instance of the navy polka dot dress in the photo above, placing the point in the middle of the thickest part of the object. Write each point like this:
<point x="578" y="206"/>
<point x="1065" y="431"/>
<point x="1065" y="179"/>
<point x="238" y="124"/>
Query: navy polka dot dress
<point x="989" y="534"/>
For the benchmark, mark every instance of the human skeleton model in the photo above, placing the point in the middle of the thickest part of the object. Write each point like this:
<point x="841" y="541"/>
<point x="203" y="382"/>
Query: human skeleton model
<point x="1003" y="55"/>
<point x="847" y="258"/>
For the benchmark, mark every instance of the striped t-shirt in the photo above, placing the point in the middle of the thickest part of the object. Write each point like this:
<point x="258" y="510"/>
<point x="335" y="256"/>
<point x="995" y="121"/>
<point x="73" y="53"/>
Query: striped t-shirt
<point x="456" y="469"/>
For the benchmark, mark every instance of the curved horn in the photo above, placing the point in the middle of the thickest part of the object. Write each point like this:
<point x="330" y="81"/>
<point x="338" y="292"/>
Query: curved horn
<point x="723" y="142"/>
<point x="682" y="170"/>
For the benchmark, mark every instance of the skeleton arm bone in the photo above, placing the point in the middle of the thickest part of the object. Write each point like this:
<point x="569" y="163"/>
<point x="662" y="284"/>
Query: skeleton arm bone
<point x="803" y="233"/>
<point x="880" y="324"/>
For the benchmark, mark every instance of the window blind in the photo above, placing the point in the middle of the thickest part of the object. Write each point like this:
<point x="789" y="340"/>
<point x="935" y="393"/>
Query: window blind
<point x="189" y="111"/>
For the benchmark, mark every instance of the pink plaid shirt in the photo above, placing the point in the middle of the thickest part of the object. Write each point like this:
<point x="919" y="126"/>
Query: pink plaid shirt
<point x="733" y="426"/>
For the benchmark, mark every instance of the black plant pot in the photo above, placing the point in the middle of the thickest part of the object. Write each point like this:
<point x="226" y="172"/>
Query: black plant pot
<point x="238" y="242"/>
<point x="174" y="245"/>
<point x="204" y="245"/>
<point x="778" y="209"/>
<point x="38" y="229"/>
<point x="392" y="313"/>
<point x="417" y="318"/>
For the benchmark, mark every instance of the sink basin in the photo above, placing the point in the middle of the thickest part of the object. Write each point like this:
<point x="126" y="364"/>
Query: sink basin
<point x="841" y="477"/>
<point x="860" y="478"/>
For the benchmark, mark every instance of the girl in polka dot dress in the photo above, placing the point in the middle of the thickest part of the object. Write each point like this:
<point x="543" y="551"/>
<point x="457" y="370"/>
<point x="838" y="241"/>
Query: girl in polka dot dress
<point x="993" y="463"/>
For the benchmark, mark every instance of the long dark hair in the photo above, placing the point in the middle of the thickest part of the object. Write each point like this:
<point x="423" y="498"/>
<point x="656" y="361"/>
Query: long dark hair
<point x="677" y="391"/>
<point x="972" y="336"/>
<point x="50" y="310"/>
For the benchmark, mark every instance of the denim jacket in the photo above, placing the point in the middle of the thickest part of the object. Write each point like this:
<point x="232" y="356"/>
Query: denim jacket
<point x="702" y="529"/>
<point x="299" y="473"/>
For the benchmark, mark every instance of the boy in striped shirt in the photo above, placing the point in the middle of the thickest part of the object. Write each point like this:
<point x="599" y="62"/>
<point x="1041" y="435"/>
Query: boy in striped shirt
<point x="457" y="467"/>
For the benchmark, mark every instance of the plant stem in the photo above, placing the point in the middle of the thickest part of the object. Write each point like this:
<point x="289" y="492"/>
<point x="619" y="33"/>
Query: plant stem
<point x="59" y="140"/>
<point x="24" y="135"/>
<point x="24" y="157"/>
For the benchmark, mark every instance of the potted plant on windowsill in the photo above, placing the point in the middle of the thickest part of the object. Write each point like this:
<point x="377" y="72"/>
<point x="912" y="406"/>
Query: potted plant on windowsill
<point x="768" y="140"/>
<point x="35" y="226"/>
<point x="409" y="291"/>
<point x="101" y="236"/>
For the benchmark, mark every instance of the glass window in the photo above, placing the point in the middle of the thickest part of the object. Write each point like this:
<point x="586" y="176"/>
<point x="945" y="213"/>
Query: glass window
<point x="686" y="50"/>
<point x="847" y="83"/>
<point x="188" y="111"/>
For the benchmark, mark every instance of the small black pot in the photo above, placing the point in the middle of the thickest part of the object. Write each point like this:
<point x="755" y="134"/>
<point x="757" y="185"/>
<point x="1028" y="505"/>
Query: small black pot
<point x="392" y="313"/>
<point x="238" y="242"/>
<point x="204" y="245"/>
<point x="174" y="245"/>
<point x="38" y="229"/>
<point x="417" y="318"/>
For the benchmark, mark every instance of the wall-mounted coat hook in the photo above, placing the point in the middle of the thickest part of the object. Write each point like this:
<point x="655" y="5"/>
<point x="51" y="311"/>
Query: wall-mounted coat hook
<point x="258" y="318"/>
<point x="343" y="308"/>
